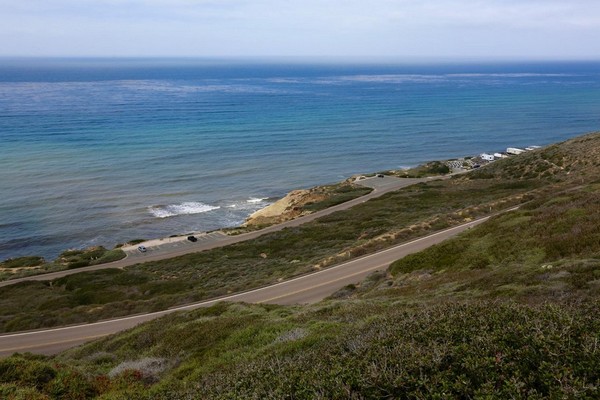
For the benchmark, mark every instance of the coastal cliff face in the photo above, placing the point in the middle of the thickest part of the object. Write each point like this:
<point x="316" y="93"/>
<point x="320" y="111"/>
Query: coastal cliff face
<point x="287" y="208"/>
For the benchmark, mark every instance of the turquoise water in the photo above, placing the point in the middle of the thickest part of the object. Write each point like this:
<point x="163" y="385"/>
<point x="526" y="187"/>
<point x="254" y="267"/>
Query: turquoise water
<point x="102" y="151"/>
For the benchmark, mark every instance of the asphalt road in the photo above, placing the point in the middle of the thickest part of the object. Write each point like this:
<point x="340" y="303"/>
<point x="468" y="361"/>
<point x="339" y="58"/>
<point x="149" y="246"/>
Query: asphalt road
<point x="381" y="186"/>
<point x="305" y="289"/>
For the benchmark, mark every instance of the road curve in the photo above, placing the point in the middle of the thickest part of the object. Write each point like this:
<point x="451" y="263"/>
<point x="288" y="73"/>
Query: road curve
<point x="397" y="183"/>
<point x="304" y="289"/>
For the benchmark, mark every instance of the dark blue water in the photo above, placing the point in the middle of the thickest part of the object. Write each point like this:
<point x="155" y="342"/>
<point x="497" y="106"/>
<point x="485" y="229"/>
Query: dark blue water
<point x="101" y="151"/>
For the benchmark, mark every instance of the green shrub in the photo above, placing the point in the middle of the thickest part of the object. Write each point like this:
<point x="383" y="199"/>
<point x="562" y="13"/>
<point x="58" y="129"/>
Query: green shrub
<point x="70" y="385"/>
<point x="16" y="392"/>
<point x="25" y="372"/>
<point x="136" y="241"/>
<point x="438" y="168"/>
<point x="457" y="350"/>
<point x="339" y="349"/>
<point x="78" y="264"/>
<point x="110" y="256"/>
<point x="20" y="262"/>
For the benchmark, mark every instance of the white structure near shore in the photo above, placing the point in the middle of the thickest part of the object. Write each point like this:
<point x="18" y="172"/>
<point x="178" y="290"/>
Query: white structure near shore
<point x="484" y="158"/>
<point x="514" y="150"/>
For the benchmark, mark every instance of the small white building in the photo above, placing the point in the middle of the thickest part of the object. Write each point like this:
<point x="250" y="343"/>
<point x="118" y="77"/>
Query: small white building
<point x="532" y="148"/>
<point x="514" y="150"/>
<point x="499" y="155"/>
<point x="487" y="157"/>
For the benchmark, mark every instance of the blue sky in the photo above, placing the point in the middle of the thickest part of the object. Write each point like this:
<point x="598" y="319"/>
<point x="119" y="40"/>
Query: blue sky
<point x="396" y="29"/>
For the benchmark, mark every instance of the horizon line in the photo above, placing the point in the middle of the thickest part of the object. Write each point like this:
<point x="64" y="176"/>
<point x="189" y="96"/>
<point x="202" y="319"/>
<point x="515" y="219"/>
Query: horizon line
<point x="312" y="59"/>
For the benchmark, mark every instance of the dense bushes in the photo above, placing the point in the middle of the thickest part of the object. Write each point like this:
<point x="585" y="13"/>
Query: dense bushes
<point x="69" y="259"/>
<point x="90" y="256"/>
<point x="338" y="194"/>
<point x="489" y="350"/>
<point x="432" y="168"/>
<point x="30" y="377"/>
<point x="336" y="350"/>
<point x="22" y="262"/>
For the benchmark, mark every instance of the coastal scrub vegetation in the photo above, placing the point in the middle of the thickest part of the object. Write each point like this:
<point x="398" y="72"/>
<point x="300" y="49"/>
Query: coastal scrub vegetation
<point x="432" y="168"/>
<point x="337" y="194"/>
<point x="33" y="265"/>
<point x="508" y="309"/>
<point x="333" y="350"/>
<point x="23" y="262"/>
<point x="90" y="256"/>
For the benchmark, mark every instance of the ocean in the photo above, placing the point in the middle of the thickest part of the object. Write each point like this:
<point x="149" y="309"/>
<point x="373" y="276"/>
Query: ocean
<point x="101" y="151"/>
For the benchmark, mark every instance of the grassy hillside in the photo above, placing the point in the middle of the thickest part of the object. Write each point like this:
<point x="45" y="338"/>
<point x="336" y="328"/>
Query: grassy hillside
<point x="509" y="309"/>
<point x="547" y="250"/>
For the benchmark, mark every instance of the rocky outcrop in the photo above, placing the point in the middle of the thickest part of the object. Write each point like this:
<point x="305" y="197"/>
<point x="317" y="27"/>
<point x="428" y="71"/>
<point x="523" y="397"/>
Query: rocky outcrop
<point x="287" y="208"/>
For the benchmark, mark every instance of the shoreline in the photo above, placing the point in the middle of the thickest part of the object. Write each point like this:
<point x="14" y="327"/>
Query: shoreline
<point x="186" y="247"/>
<point x="427" y="169"/>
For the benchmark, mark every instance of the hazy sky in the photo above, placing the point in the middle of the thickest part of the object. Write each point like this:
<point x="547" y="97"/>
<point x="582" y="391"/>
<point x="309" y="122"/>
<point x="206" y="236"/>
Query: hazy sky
<point x="399" y="29"/>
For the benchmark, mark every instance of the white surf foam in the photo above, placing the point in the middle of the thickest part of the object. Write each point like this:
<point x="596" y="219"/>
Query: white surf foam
<point x="254" y="200"/>
<point x="249" y="205"/>
<point x="171" y="210"/>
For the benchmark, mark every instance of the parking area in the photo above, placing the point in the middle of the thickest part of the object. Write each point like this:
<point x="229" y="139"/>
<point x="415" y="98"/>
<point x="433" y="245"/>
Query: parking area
<point x="168" y="245"/>
<point x="380" y="182"/>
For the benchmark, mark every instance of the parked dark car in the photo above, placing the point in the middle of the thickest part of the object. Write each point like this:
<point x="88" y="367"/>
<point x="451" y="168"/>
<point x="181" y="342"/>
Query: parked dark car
<point x="380" y="175"/>
<point x="192" y="238"/>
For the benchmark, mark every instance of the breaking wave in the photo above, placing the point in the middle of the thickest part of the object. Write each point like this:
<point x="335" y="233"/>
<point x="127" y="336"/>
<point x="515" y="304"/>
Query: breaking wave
<point x="172" y="210"/>
<point x="252" y="204"/>
<point x="255" y="200"/>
